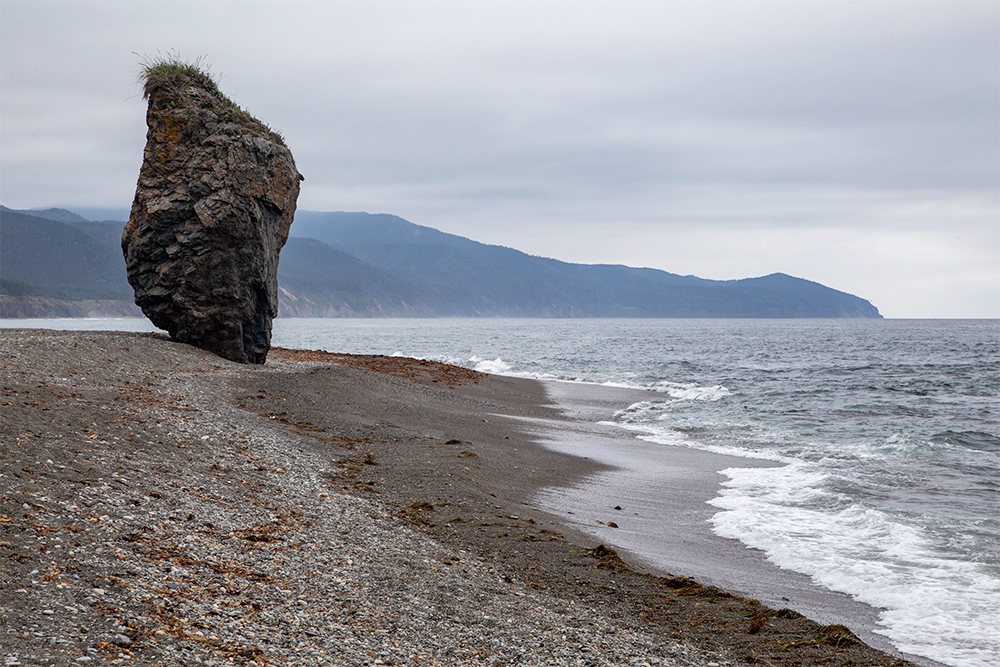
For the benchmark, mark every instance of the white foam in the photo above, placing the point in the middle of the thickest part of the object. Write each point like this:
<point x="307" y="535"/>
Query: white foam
<point x="493" y="366"/>
<point x="692" y="392"/>
<point x="643" y="411"/>
<point x="878" y="559"/>
<point x="674" y="438"/>
<point x="653" y="411"/>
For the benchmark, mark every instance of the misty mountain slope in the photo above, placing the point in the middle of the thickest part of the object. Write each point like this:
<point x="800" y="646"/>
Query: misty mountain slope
<point x="57" y="214"/>
<point x="786" y="296"/>
<point x="362" y="265"/>
<point x="361" y="229"/>
<point x="106" y="233"/>
<point x="60" y="260"/>
<point x="316" y="279"/>
<point x="495" y="279"/>
<point x="502" y="281"/>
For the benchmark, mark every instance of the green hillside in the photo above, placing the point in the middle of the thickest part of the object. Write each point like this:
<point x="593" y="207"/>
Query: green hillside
<point x="60" y="260"/>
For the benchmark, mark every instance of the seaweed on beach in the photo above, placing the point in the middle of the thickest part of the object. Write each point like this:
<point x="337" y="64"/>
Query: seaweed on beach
<point x="689" y="587"/>
<point x="608" y="559"/>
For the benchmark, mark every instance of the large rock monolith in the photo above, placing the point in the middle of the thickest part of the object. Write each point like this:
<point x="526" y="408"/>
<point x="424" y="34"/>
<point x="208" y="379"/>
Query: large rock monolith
<point x="212" y="209"/>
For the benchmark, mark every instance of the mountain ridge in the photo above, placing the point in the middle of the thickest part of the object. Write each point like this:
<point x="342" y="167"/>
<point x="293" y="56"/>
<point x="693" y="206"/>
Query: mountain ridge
<point x="343" y="264"/>
<point x="509" y="282"/>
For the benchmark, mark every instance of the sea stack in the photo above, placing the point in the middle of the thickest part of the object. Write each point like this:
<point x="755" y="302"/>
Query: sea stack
<point x="214" y="203"/>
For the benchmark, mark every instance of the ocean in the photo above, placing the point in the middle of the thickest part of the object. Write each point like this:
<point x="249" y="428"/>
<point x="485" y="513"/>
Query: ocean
<point x="884" y="438"/>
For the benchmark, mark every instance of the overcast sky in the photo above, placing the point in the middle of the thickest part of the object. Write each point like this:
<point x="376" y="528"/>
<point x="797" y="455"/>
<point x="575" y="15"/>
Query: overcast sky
<point x="856" y="144"/>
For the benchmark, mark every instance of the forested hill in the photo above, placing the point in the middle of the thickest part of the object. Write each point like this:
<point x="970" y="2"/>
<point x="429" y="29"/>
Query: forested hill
<point x="56" y="263"/>
<point x="459" y="276"/>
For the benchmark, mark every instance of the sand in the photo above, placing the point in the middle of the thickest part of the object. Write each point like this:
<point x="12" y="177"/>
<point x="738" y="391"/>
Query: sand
<point x="664" y="521"/>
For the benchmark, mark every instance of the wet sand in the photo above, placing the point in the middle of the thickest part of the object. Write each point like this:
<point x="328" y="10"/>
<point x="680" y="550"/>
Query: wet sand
<point x="663" y="523"/>
<point x="530" y="460"/>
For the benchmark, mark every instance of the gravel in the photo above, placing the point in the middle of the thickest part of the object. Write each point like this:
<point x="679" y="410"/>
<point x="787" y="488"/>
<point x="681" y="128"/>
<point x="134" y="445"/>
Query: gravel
<point x="146" y="519"/>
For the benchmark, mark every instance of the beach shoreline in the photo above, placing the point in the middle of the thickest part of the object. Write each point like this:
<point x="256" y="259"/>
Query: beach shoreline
<point x="326" y="472"/>
<point x="663" y="524"/>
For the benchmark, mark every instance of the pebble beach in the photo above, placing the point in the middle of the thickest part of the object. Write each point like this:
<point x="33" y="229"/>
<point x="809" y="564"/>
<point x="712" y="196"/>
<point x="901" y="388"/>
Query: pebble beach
<point x="162" y="506"/>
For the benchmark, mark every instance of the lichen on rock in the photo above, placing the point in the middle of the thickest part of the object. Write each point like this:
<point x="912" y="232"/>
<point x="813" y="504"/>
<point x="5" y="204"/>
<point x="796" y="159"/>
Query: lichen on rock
<point x="213" y="206"/>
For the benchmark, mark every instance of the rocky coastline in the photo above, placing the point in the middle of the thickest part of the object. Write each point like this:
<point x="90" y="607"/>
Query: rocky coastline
<point x="160" y="505"/>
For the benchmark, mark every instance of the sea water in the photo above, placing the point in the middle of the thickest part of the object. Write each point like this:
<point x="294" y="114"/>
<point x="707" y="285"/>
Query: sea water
<point x="888" y="432"/>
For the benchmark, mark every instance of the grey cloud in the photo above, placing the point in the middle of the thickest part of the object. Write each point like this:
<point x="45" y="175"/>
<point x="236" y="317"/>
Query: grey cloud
<point x="664" y="124"/>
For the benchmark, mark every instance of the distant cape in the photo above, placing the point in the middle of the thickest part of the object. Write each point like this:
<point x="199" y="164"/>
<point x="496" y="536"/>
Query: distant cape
<point x="57" y="263"/>
<point x="348" y="264"/>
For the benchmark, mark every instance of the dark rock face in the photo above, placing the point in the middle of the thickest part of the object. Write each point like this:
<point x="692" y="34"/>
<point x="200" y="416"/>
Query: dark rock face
<point x="212" y="209"/>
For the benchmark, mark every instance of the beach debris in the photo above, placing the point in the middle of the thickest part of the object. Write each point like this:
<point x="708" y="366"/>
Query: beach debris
<point x="837" y="635"/>
<point x="608" y="559"/>
<point x="421" y="371"/>
<point x="685" y="587"/>
<point x="213" y="206"/>
<point x="757" y="622"/>
<point x="413" y="513"/>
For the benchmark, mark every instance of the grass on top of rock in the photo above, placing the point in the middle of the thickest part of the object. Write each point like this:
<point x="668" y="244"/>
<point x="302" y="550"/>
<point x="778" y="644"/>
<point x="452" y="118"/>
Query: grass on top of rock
<point x="173" y="73"/>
